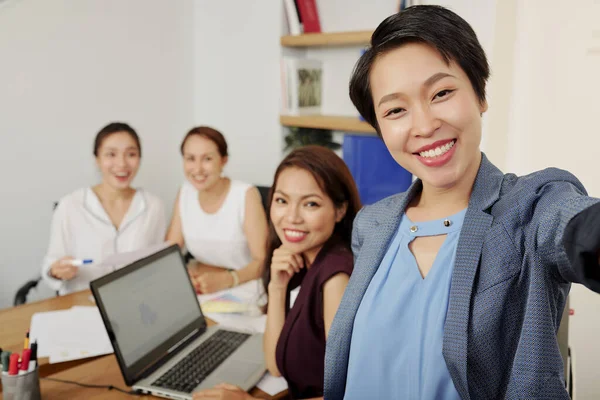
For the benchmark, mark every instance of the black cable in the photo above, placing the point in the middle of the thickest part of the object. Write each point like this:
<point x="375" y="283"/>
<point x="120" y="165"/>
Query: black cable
<point x="88" y="385"/>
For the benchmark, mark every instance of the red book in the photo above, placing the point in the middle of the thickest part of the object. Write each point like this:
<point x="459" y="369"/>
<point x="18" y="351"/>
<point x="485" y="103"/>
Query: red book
<point x="309" y="15"/>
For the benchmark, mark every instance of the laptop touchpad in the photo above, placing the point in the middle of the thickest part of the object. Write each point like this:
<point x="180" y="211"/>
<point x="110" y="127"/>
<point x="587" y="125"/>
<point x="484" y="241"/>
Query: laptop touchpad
<point x="236" y="373"/>
<point x="239" y="371"/>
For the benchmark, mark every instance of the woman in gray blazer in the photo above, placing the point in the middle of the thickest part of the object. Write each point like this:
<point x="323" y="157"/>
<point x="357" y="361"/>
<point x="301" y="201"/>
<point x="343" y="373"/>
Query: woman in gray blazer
<point x="459" y="284"/>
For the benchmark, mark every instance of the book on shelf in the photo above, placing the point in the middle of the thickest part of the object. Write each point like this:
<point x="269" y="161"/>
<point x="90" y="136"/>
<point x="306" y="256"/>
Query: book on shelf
<point x="301" y="86"/>
<point x="292" y="14"/>
<point x="309" y="15"/>
<point x="403" y="4"/>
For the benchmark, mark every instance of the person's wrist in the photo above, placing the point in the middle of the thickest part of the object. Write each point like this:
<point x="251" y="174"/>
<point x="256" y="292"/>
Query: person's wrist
<point x="235" y="278"/>
<point x="274" y="288"/>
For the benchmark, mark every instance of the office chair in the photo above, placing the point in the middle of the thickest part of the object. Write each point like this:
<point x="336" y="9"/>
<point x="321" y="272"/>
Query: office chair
<point x="264" y="194"/>
<point x="23" y="291"/>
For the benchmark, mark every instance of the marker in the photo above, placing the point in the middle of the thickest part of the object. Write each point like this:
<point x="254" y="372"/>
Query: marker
<point x="25" y="357"/>
<point x="5" y="363"/>
<point x="33" y="357"/>
<point x="26" y="342"/>
<point x="79" y="262"/>
<point x="13" y="367"/>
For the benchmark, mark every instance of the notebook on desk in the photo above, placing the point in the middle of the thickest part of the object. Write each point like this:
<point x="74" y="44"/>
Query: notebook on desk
<point x="160" y="336"/>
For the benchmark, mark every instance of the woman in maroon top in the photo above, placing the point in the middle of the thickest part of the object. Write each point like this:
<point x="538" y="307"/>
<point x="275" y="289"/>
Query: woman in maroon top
<point x="312" y="205"/>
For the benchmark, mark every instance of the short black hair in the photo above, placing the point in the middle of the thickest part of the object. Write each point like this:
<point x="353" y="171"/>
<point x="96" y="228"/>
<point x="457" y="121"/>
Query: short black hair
<point x="436" y="26"/>
<point x="115" y="127"/>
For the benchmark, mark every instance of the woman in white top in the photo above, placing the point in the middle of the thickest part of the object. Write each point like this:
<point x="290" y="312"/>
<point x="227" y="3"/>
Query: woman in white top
<point x="102" y="220"/>
<point x="221" y="221"/>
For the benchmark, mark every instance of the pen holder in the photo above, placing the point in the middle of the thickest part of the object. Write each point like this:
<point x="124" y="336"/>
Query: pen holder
<point x="21" y="387"/>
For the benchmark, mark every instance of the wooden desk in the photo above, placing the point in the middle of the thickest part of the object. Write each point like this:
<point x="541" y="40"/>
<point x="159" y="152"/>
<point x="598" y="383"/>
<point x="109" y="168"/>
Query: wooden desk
<point x="101" y="371"/>
<point x="15" y="322"/>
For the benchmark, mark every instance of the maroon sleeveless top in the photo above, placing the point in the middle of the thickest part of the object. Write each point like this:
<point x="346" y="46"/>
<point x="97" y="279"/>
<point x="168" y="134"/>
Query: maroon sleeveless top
<point x="300" y="352"/>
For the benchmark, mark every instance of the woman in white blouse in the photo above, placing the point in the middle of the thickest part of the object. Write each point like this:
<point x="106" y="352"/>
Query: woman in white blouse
<point x="99" y="221"/>
<point x="221" y="221"/>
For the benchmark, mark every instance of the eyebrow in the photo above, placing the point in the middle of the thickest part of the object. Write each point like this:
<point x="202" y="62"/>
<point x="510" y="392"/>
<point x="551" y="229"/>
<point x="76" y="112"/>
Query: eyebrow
<point x="428" y="83"/>
<point x="210" y="153"/>
<point x="117" y="149"/>
<point x="301" y="198"/>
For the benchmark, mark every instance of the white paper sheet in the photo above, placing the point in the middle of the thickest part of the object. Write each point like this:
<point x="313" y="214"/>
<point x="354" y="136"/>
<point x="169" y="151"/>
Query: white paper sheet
<point x="119" y="260"/>
<point x="249" y="292"/>
<point x="241" y="322"/>
<point x="70" y="334"/>
<point x="272" y="385"/>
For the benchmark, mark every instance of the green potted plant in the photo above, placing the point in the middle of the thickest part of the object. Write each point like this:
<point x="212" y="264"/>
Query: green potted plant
<point x="298" y="137"/>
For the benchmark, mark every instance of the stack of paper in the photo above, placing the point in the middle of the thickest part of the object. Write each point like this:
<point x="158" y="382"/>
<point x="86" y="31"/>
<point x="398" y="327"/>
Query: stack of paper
<point x="70" y="334"/>
<point x="236" y="308"/>
<point x="272" y="385"/>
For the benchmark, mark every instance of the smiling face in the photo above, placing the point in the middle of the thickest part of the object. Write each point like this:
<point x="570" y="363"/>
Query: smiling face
<point x="428" y="114"/>
<point x="202" y="162"/>
<point x="304" y="216"/>
<point x="118" y="160"/>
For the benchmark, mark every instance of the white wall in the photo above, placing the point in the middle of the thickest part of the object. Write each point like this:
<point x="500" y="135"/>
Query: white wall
<point x="236" y="90"/>
<point x="555" y="123"/>
<point x="67" y="68"/>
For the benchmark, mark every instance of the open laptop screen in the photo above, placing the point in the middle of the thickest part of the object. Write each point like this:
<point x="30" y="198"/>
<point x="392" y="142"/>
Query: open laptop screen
<point x="148" y="307"/>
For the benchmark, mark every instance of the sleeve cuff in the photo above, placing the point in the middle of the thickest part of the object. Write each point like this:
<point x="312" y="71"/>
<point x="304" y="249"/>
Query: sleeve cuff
<point x="53" y="283"/>
<point x="581" y="241"/>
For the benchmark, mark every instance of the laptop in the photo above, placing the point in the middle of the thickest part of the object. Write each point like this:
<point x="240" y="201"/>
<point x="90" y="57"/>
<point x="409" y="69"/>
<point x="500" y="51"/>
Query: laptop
<point x="160" y="336"/>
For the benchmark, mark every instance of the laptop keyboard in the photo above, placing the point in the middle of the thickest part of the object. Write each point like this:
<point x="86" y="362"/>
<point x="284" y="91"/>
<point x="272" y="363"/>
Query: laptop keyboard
<point x="201" y="362"/>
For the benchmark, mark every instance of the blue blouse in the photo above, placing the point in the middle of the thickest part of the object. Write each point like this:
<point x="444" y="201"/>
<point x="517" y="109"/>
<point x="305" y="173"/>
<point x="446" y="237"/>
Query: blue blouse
<point x="396" y="347"/>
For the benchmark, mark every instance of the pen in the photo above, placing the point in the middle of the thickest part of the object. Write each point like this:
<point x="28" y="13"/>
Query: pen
<point x="33" y="356"/>
<point x="13" y="367"/>
<point x="25" y="357"/>
<point x="5" y="363"/>
<point x="79" y="263"/>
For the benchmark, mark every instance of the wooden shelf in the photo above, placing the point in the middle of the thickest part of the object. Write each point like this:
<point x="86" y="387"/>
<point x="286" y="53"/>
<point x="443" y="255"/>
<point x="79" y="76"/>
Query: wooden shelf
<point x="346" y="124"/>
<point x="327" y="39"/>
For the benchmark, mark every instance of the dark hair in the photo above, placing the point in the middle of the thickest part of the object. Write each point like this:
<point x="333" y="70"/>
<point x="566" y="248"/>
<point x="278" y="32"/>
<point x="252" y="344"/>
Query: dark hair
<point x="210" y="134"/>
<point x="436" y="26"/>
<point x="116" y="127"/>
<point x="334" y="179"/>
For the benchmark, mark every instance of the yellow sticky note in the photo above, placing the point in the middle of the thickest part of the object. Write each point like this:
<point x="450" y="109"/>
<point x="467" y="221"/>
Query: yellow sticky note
<point x="216" y="306"/>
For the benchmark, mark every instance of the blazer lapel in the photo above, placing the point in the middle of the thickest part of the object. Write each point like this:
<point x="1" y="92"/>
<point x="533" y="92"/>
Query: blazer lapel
<point x="374" y="247"/>
<point x="486" y="191"/>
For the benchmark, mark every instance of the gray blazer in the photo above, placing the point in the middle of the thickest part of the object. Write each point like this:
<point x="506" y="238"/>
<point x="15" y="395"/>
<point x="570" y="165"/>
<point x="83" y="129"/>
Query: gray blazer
<point x="509" y="285"/>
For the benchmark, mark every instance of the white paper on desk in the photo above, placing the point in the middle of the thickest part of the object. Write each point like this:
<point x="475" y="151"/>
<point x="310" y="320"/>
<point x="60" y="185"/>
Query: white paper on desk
<point x="249" y="292"/>
<point x="243" y="323"/>
<point x="70" y="334"/>
<point x="119" y="260"/>
<point x="40" y="329"/>
<point x="272" y="385"/>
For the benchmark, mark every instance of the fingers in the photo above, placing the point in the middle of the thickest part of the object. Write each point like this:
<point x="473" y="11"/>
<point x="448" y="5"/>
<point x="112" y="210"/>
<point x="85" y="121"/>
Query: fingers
<point x="229" y="386"/>
<point x="196" y="284"/>
<point x="221" y="391"/>
<point x="203" y="283"/>
<point x="208" y="394"/>
<point x="64" y="271"/>
<point x="286" y="258"/>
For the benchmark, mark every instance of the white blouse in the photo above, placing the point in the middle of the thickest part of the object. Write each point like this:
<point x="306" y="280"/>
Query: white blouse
<point x="218" y="238"/>
<point x="82" y="229"/>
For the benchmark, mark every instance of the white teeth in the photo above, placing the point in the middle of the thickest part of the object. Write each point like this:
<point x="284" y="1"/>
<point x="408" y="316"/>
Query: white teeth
<point x="438" y="151"/>
<point x="122" y="174"/>
<point x="294" y="233"/>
